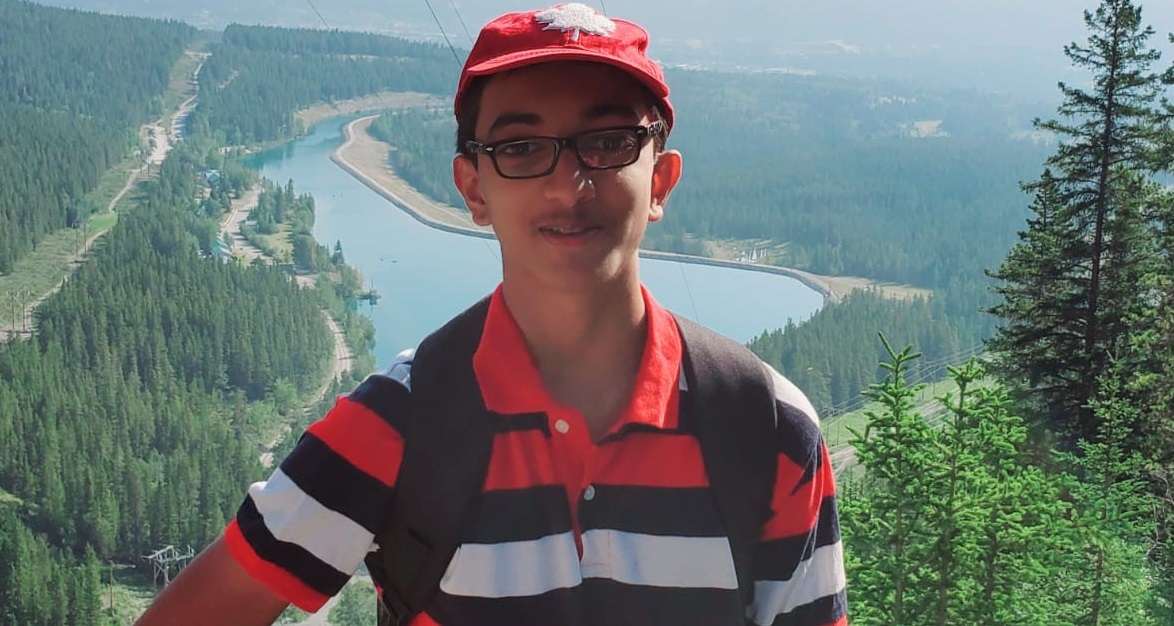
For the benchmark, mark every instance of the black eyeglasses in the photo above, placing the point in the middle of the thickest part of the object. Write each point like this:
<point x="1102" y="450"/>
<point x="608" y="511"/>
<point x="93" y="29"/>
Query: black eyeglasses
<point x="599" y="149"/>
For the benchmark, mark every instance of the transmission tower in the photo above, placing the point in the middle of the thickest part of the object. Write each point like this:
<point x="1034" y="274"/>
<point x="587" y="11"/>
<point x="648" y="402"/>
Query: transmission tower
<point x="162" y="559"/>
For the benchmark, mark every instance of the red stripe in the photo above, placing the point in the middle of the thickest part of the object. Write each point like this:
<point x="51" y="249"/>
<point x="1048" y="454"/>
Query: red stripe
<point x="363" y="438"/>
<point x="639" y="460"/>
<point x="423" y="619"/>
<point x="843" y="621"/>
<point x="797" y="513"/>
<point x="520" y="461"/>
<point x="278" y="580"/>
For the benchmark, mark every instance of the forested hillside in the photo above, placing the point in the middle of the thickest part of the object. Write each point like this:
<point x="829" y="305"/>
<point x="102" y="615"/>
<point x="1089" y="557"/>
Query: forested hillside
<point x="133" y="409"/>
<point x="74" y="87"/>
<point x="257" y="77"/>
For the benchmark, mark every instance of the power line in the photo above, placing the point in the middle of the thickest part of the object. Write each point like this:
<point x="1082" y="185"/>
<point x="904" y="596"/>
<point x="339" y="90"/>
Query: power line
<point x="688" y="290"/>
<point x="461" y="20"/>
<point x="446" y="39"/>
<point x="319" y="13"/>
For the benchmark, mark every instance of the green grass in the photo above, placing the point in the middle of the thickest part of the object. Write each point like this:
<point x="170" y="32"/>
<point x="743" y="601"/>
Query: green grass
<point x="278" y="244"/>
<point x="8" y="498"/>
<point x="836" y="430"/>
<point x="132" y="592"/>
<point x="178" y="88"/>
<point x="40" y="270"/>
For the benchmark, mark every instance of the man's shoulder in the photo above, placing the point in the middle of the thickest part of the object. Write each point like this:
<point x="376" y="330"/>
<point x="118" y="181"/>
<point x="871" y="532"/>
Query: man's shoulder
<point x="793" y="402"/>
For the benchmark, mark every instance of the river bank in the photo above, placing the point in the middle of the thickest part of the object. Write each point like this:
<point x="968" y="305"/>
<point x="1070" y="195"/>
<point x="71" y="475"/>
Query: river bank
<point x="365" y="158"/>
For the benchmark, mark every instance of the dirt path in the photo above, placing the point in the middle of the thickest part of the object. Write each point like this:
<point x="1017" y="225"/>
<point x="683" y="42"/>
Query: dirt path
<point x="231" y="224"/>
<point x="365" y="158"/>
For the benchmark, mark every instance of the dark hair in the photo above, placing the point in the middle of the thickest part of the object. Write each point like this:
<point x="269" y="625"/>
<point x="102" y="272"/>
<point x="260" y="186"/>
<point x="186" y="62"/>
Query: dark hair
<point x="471" y="108"/>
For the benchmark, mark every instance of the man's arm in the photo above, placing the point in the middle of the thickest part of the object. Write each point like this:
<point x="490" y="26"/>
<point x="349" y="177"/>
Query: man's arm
<point x="214" y="589"/>
<point x="799" y="562"/>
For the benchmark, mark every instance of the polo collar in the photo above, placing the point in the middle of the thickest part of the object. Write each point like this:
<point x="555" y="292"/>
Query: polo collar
<point x="511" y="385"/>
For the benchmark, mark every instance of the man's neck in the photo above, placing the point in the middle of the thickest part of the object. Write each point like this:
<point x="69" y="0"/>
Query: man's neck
<point x="587" y="345"/>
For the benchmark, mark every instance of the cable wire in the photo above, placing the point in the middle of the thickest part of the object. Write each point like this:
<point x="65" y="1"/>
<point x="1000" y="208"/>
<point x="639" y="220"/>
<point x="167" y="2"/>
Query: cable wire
<point x="461" y="20"/>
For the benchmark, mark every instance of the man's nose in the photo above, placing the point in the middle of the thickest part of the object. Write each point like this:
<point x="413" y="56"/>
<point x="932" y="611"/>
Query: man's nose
<point x="570" y="183"/>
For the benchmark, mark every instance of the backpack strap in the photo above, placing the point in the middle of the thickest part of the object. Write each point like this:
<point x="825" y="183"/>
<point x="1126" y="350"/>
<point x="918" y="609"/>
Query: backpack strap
<point x="731" y="407"/>
<point x="447" y="443"/>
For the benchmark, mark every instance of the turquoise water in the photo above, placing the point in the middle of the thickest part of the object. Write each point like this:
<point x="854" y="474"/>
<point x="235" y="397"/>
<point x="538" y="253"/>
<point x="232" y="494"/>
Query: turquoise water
<point x="426" y="275"/>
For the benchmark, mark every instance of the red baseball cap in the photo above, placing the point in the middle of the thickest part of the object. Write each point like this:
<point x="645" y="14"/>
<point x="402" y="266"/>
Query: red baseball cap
<point x="565" y="32"/>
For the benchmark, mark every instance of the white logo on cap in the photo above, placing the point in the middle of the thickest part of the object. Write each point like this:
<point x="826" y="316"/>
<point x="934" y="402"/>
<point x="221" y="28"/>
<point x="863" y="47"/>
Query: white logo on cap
<point x="577" y="17"/>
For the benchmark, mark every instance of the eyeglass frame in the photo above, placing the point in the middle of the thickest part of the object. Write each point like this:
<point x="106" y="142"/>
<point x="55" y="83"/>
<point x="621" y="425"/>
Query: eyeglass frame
<point x="643" y="132"/>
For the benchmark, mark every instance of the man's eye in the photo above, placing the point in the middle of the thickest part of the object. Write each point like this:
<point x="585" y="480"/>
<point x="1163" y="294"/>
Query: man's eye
<point x="518" y="148"/>
<point x="609" y="142"/>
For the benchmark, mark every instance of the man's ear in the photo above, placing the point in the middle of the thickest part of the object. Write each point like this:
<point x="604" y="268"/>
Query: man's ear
<point x="468" y="182"/>
<point x="665" y="174"/>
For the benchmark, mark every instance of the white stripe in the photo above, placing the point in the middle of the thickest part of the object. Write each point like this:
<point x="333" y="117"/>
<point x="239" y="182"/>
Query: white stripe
<point x="820" y="576"/>
<point x="658" y="561"/>
<point x="517" y="568"/>
<point x="293" y="516"/>
<point x="400" y="369"/>
<point x="787" y="393"/>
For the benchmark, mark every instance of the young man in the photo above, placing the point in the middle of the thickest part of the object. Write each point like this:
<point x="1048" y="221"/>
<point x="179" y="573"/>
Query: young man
<point x="596" y="507"/>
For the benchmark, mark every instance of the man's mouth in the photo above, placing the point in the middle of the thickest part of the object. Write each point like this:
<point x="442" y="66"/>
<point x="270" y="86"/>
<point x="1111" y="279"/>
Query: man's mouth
<point x="567" y="231"/>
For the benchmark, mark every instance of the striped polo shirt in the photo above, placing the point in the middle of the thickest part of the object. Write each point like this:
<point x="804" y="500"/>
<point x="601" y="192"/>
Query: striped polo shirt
<point x="567" y="530"/>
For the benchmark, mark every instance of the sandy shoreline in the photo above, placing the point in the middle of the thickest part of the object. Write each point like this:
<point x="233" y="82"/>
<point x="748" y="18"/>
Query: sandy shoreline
<point x="365" y="158"/>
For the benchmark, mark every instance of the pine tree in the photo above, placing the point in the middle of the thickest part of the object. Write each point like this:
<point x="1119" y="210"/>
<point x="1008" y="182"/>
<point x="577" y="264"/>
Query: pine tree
<point x="1065" y="286"/>
<point x="1110" y="579"/>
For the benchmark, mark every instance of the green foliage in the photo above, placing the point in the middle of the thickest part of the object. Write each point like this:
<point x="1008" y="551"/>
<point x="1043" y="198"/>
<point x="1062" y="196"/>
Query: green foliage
<point x="824" y="355"/>
<point x="1068" y="288"/>
<point x="421" y="150"/>
<point x="73" y="87"/>
<point x="1108" y="579"/>
<point x="127" y="415"/>
<point x="356" y="606"/>
<point x="93" y="66"/>
<point x="257" y="77"/>
<point x="950" y="525"/>
<point x="41" y="585"/>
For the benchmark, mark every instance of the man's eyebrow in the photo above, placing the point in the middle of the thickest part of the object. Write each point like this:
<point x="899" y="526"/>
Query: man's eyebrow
<point x="507" y="119"/>
<point x="610" y="109"/>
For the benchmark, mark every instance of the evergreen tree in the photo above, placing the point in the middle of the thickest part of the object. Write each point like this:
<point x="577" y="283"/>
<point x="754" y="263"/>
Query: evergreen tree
<point x="948" y="525"/>
<point x="1067" y="287"/>
<point x="356" y="605"/>
<point x="1108" y="577"/>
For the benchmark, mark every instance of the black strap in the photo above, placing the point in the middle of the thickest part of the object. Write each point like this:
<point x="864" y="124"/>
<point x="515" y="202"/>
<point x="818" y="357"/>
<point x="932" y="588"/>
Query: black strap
<point x="447" y="443"/>
<point x="731" y="408"/>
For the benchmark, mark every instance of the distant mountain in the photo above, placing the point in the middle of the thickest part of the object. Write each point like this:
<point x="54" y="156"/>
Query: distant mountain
<point x="999" y="45"/>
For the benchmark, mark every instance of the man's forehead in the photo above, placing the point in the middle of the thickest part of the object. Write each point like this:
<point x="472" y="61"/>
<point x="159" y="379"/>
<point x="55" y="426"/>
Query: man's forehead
<point x="597" y="90"/>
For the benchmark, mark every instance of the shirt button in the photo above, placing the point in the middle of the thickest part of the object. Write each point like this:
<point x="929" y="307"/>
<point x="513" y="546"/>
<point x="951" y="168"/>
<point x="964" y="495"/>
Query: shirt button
<point x="562" y="426"/>
<point x="589" y="492"/>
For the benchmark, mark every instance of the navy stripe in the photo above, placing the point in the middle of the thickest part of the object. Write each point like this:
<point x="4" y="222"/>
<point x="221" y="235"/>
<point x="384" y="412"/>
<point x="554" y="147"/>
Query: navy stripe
<point x="675" y="512"/>
<point x="618" y="604"/>
<point x="386" y="397"/>
<point x="822" y="611"/>
<point x="520" y="515"/>
<point x="520" y="422"/>
<point x="800" y="441"/>
<point x="777" y="559"/>
<point x="337" y="485"/>
<point x="291" y="557"/>
<point x="635" y="428"/>
<point x="560" y="606"/>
